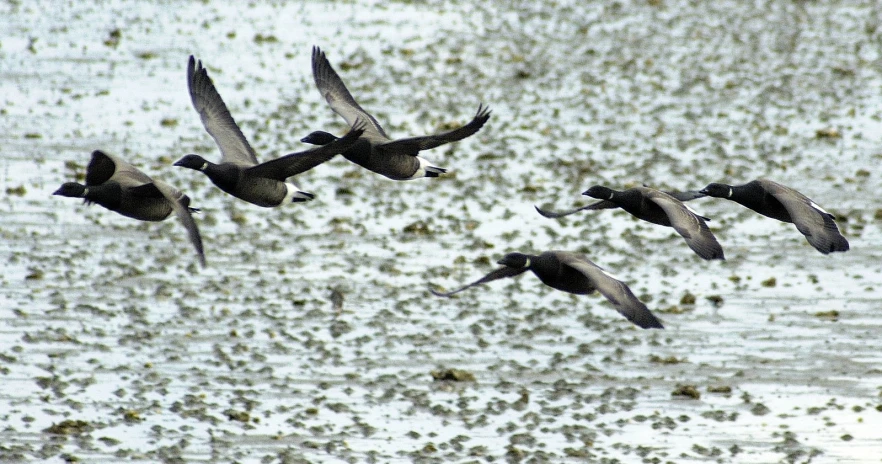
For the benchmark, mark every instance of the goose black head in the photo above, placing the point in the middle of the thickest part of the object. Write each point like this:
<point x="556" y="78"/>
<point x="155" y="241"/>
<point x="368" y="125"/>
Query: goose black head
<point x="319" y="138"/>
<point x="599" y="192"/>
<point x="515" y="260"/>
<point x="717" y="190"/>
<point x="192" y="162"/>
<point x="71" y="189"/>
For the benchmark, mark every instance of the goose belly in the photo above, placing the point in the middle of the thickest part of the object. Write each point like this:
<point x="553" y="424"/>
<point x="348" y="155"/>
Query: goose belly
<point x="264" y="192"/>
<point x="149" y="209"/>
<point x="568" y="280"/>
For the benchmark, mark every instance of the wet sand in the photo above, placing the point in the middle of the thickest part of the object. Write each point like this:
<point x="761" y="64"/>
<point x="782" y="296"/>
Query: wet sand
<point x="116" y="346"/>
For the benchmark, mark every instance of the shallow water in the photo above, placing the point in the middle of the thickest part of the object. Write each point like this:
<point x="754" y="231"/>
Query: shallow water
<point x="111" y="322"/>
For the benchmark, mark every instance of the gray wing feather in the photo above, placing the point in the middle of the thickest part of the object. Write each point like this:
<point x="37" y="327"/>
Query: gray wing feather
<point x="412" y="145"/>
<point x="296" y="163"/>
<point x="602" y="204"/>
<point x="606" y="204"/>
<point x="688" y="224"/>
<point x="817" y="225"/>
<point x="104" y="167"/>
<point x="216" y="117"/>
<point x="619" y="294"/>
<point x="175" y="197"/>
<point x="500" y="273"/>
<point x="337" y="95"/>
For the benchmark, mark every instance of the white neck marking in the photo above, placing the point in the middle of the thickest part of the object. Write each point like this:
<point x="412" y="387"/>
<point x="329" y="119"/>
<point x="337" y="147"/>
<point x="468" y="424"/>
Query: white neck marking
<point x="730" y="192"/>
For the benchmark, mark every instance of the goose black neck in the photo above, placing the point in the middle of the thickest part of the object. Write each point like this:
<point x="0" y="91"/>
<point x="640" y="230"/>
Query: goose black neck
<point x="108" y="195"/>
<point x="225" y="176"/>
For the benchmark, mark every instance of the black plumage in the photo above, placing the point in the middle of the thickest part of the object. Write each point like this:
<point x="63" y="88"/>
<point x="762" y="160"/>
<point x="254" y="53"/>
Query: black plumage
<point x="607" y="204"/>
<point x="376" y="151"/>
<point x="785" y="204"/>
<point x="239" y="173"/>
<point x="123" y="188"/>
<point x="572" y="273"/>
<point x="660" y="208"/>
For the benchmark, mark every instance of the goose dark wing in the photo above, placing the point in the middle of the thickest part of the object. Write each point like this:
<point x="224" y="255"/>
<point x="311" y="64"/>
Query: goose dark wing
<point x="216" y="117"/>
<point x="497" y="274"/>
<point x="100" y="169"/>
<point x="412" y="145"/>
<point x="613" y="290"/>
<point x="296" y="163"/>
<point x="811" y="220"/>
<point x="337" y="95"/>
<point x="146" y="191"/>
<point x="103" y="167"/>
<point x="181" y="207"/>
<point x="688" y="224"/>
<point x="602" y="204"/>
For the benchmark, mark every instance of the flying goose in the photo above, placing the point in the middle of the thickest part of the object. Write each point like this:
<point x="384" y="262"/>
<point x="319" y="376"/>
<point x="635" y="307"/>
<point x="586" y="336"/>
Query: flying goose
<point x="663" y="209"/>
<point x="121" y="187"/>
<point x="785" y="204"/>
<point x="607" y="204"/>
<point x="571" y="273"/>
<point x="375" y="151"/>
<point x="239" y="173"/>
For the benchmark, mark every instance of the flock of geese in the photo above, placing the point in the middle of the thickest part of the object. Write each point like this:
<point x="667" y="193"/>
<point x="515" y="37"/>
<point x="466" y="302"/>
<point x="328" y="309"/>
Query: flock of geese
<point x="121" y="187"/>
